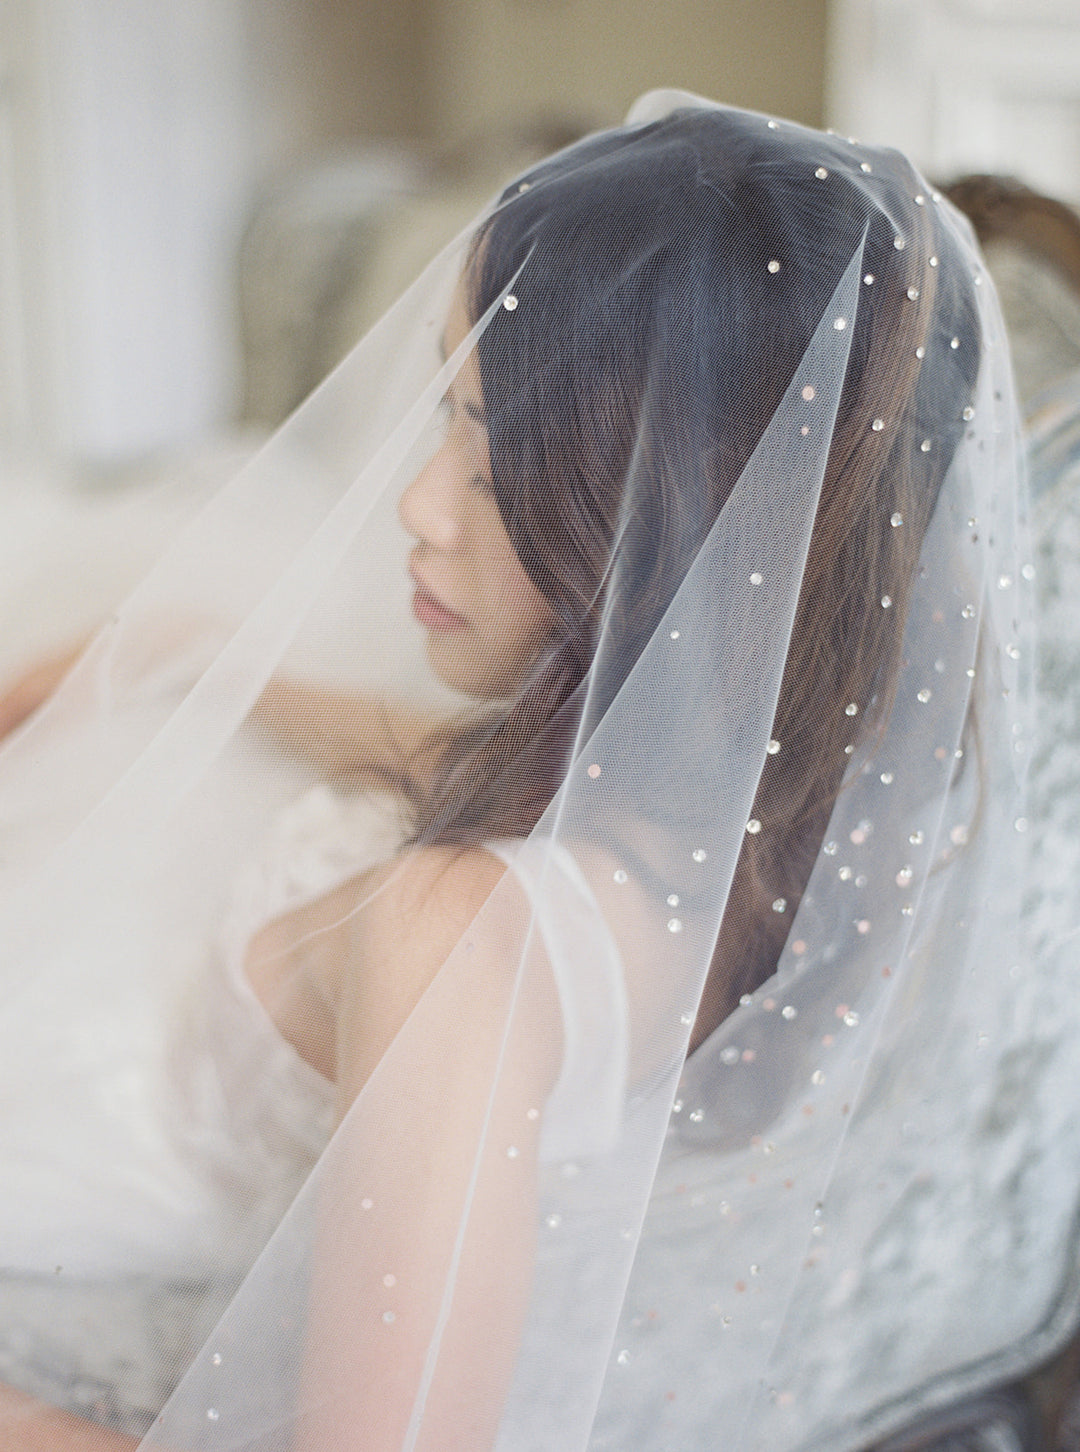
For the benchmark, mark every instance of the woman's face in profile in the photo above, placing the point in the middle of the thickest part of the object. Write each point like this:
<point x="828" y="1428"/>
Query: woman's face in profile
<point x="486" y="621"/>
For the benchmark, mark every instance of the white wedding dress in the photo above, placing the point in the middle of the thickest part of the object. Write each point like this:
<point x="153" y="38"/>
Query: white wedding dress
<point x="198" y="1140"/>
<point x="87" y="1324"/>
<point x="130" y="1208"/>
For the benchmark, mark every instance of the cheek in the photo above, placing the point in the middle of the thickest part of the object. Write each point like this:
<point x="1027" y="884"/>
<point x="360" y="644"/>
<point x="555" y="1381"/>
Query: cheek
<point x="521" y="612"/>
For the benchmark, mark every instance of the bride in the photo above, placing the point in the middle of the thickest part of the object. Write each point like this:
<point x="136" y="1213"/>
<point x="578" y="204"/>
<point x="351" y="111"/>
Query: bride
<point x="619" y="955"/>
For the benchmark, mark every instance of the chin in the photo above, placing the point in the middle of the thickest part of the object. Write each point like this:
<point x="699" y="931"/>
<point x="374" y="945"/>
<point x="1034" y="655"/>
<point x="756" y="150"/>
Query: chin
<point x="456" y="671"/>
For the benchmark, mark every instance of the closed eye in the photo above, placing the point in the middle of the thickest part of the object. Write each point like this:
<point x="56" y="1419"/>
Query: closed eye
<point x="448" y="406"/>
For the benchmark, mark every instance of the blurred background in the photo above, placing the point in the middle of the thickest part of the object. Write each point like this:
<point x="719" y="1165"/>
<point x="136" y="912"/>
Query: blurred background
<point x="191" y="188"/>
<point x="204" y="203"/>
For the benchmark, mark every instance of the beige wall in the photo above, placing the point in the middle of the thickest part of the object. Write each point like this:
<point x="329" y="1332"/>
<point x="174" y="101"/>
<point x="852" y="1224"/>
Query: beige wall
<point x="443" y="70"/>
<point x="492" y="60"/>
<point x="329" y="71"/>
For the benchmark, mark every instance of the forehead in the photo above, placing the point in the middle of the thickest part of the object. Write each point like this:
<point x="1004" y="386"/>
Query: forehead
<point x="455" y="331"/>
<point x="457" y="319"/>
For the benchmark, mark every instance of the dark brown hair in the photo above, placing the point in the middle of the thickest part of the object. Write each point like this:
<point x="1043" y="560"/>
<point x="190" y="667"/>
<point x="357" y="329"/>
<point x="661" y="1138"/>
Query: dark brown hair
<point x="624" y="395"/>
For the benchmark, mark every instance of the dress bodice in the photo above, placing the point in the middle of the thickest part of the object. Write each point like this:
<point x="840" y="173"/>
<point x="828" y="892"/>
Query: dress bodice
<point x="197" y="1182"/>
<point x="190" y="1170"/>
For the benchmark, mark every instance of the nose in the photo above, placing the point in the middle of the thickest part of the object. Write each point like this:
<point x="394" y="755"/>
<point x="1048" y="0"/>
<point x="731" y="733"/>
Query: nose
<point x="428" y="507"/>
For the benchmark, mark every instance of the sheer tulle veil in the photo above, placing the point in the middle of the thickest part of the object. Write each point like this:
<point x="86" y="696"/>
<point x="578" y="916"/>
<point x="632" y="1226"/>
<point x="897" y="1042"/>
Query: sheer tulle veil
<point x="760" y="800"/>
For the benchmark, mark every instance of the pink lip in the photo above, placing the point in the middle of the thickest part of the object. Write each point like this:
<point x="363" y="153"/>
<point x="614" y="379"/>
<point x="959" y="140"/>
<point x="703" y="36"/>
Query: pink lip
<point x="430" y="611"/>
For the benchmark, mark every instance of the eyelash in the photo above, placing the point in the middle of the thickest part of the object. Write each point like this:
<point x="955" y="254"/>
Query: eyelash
<point x="446" y="409"/>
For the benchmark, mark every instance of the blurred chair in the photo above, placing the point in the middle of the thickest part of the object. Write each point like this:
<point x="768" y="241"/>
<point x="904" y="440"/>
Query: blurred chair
<point x="1032" y="248"/>
<point x="332" y="245"/>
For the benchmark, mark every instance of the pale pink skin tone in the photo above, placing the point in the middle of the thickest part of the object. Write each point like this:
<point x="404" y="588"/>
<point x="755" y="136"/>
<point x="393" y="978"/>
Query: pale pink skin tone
<point x="486" y="621"/>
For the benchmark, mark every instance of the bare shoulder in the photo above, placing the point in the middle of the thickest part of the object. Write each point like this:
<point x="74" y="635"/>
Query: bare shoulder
<point x="434" y="881"/>
<point x="414" y="912"/>
<point x="419" y="905"/>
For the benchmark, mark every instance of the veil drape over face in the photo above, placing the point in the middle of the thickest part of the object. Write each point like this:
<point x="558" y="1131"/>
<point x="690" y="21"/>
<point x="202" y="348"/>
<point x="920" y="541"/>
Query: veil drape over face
<point x="582" y="759"/>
